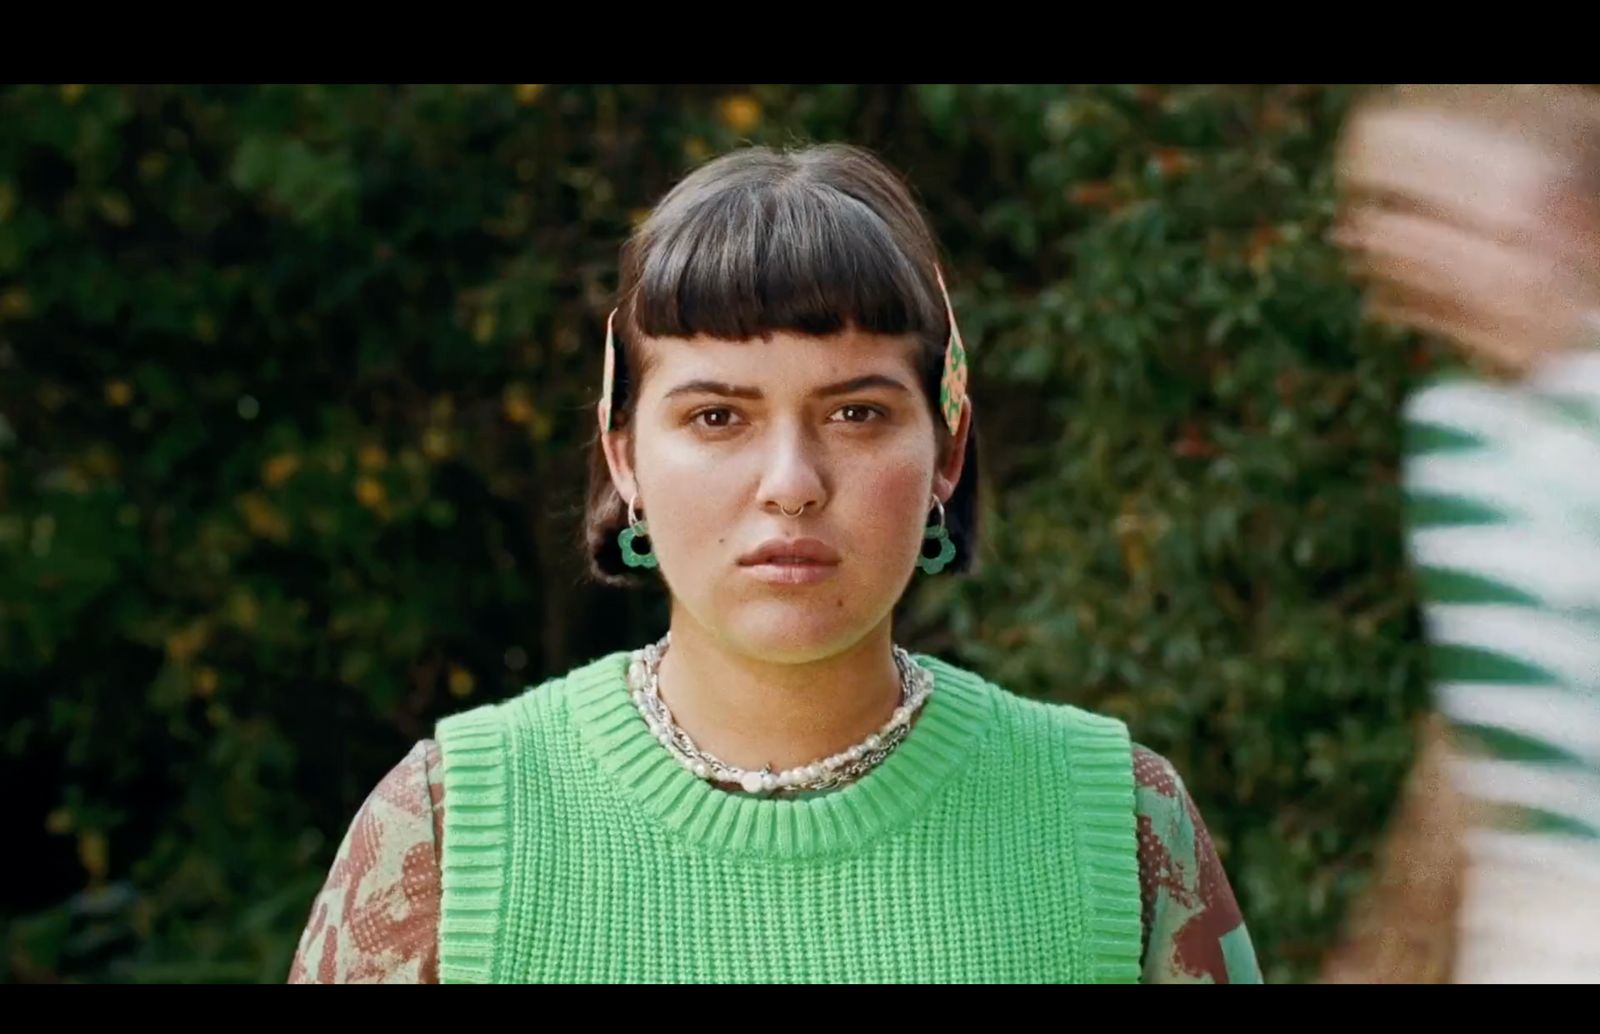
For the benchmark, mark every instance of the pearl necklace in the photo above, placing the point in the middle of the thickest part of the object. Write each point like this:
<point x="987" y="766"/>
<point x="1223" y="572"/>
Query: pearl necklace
<point x="644" y="685"/>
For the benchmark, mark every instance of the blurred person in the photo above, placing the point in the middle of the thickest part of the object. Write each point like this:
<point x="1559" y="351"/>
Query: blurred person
<point x="775" y="791"/>
<point x="1472" y="214"/>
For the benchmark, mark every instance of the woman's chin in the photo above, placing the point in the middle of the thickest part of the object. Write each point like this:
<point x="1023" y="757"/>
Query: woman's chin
<point x="798" y="632"/>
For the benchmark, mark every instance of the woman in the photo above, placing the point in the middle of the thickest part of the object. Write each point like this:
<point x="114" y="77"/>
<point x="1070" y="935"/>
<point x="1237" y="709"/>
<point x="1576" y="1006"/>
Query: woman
<point x="1473" y="214"/>
<point x="775" y="791"/>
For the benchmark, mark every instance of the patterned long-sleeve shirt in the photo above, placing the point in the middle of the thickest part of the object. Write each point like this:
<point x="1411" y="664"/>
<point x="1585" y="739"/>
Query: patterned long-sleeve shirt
<point x="376" y="919"/>
<point x="1503" y="486"/>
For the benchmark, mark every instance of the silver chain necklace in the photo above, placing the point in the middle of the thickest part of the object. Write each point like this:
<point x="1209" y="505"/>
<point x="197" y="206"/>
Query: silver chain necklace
<point x="644" y="685"/>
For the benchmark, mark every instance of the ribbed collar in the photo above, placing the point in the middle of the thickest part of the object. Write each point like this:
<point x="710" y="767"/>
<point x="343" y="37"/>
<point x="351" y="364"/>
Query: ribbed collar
<point x="945" y="736"/>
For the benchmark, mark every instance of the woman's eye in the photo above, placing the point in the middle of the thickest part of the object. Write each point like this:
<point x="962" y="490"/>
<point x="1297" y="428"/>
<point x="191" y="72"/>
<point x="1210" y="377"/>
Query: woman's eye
<point x="856" y="414"/>
<point x="714" y="418"/>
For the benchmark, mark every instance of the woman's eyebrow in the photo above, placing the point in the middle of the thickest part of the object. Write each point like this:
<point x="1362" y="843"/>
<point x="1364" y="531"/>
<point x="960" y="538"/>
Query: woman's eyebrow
<point x="708" y="387"/>
<point x="704" y="387"/>
<point x="871" y="380"/>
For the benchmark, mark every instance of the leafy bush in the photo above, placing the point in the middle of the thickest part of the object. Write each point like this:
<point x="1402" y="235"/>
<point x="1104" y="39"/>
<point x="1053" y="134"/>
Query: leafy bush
<point x="297" y="382"/>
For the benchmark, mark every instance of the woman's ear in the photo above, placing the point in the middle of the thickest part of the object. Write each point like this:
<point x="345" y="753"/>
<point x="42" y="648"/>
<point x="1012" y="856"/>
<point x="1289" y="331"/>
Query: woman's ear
<point x="617" y="446"/>
<point x="948" y="474"/>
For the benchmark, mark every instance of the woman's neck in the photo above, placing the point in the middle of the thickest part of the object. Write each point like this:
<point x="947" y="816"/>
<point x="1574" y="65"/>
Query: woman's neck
<point x="753" y="713"/>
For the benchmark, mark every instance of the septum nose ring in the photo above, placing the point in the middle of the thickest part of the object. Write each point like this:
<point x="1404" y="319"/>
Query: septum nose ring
<point x="785" y="510"/>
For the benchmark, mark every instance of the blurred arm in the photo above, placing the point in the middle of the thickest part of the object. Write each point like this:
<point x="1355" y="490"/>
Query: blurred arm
<point x="1503" y="489"/>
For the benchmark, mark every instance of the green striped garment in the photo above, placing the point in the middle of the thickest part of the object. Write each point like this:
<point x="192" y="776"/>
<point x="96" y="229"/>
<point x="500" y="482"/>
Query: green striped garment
<point x="1503" y="499"/>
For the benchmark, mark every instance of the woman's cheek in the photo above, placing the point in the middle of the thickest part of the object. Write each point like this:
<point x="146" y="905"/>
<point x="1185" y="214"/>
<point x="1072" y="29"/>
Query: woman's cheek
<point x="695" y="494"/>
<point x="893" y="498"/>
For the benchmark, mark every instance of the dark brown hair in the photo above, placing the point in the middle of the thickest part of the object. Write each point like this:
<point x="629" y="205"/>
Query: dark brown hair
<point x="816" y="241"/>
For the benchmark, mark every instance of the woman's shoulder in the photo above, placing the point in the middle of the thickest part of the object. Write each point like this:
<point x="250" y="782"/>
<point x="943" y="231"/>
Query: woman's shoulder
<point x="374" y="919"/>
<point x="1190" y="918"/>
<point x="409" y="791"/>
<point x="1167" y="814"/>
<point x="1194" y="930"/>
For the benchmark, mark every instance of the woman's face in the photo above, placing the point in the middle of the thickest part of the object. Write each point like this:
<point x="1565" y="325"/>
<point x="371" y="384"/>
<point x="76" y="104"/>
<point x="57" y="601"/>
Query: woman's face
<point x="728" y="435"/>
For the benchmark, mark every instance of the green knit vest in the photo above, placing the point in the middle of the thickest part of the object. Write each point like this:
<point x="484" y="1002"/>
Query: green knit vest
<point x="996" y="844"/>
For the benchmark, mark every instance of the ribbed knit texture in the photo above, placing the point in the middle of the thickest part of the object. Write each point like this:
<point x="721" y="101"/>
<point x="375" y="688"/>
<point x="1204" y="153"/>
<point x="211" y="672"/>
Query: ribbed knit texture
<point x="997" y="843"/>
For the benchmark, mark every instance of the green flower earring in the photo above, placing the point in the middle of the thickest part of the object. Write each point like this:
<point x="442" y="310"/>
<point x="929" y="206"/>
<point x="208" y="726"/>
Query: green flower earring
<point x="941" y="535"/>
<point x="636" y="529"/>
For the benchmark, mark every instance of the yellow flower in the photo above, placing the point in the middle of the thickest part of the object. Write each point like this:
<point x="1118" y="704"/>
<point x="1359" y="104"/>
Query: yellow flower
<point x="518" y="407"/>
<point x="99" y="463"/>
<point x="243" y="610"/>
<point x="58" y="822"/>
<point x="115" y="208"/>
<point x="528" y="93"/>
<point x="461" y="681"/>
<point x="71" y="92"/>
<point x="741" y="113"/>
<point x="205" y="682"/>
<point x="152" y="164"/>
<point x="370" y="493"/>
<point x="542" y="427"/>
<point x="435" y="443"/>
<point x="279" y="469"/>
<point x="262" y="517"/>
<point x="484" y="326"/>
<point x="118" y="393"/>
<point x="185" y="643"/>
<point x="372" y="457"/>
<point x="697" y="149"/>
<point x="95" y="854"/>
<point x="16" y="302"/>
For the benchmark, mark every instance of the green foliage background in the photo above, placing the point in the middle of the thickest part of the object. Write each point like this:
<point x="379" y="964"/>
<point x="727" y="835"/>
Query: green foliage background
<point x="295" y="383"/>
